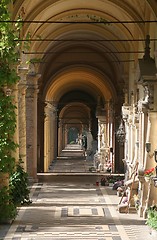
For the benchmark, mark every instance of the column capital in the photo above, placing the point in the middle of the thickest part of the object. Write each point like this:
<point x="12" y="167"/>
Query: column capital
<point x="50" y="109"/>
<point x="22" y="70"/>
<point x="22" y="73"/>
<point x="102" y="120"/>
<point x="32" y="79"/>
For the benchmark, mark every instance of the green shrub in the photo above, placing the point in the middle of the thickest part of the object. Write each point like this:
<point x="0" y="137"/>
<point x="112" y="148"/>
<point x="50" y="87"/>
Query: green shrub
<point x="19" y="186"/>
<point x="152" y="217"/>
<point x="8" y="210"/>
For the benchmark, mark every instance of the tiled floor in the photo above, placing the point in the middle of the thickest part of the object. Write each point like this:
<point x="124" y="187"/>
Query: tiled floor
<point x="68" y="205"/>
<point x="71" y="160"/>
<point x="74" y="210"/>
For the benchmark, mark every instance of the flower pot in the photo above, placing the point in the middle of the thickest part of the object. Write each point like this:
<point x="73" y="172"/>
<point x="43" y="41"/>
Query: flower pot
<point x="97" y="183"/>
<point x="147" y="179"/>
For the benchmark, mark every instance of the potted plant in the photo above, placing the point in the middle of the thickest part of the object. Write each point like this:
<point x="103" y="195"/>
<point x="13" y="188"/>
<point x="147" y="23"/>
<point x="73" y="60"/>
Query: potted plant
<point x="148" y="173"/>
<point x="152" y="219"/>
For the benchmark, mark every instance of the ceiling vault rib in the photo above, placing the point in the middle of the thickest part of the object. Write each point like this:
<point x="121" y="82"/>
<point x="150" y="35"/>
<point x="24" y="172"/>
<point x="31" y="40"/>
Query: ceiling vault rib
<point x="77" y="22"/>
<point x="60" y="62"/>
<point x="83" y="40"/>
<point x="83" y="52"/>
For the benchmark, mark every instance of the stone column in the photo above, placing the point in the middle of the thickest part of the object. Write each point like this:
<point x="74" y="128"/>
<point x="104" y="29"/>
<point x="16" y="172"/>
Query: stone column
<point x="129" y="143"/>
<point x="46" y="137"/>
<point x="60" y="137"/>
<point x="16" y="134"/>
<point x="99" y="136"/>
<point x="53" y="131"/>
<point x="144" y="161"/>
<point x="65" y="129"/>
<point x="22" y="72"/>
<point x="50" y="135"/>
<point x="31" y="124"/>
<point x="143" y="118"/>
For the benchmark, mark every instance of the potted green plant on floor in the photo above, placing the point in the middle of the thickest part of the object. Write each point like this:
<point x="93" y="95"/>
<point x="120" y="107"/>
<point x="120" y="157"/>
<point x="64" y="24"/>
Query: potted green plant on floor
<point x="152" y="219"/>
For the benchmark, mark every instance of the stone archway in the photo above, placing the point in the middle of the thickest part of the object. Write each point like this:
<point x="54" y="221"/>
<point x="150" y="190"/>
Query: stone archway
<point x="74" y="115"/>
<point x="82" y="98"/>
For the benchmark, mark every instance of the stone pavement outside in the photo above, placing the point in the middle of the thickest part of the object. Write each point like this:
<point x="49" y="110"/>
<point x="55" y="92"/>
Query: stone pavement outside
<point x="71" y="210"/>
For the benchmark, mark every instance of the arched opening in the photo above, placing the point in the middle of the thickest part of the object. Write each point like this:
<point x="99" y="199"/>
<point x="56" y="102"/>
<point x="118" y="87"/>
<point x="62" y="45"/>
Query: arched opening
<point x="89" y="69"/>
<point x="78" y="101"/>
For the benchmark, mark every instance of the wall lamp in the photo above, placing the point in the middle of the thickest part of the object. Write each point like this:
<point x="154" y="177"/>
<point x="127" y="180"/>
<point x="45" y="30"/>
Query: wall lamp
<point x="148" y="149"/>
<point x="155" y="155"/>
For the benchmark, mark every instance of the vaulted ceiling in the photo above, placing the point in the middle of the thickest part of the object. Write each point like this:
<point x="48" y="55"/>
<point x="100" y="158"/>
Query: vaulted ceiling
<point x="89" y="46"/>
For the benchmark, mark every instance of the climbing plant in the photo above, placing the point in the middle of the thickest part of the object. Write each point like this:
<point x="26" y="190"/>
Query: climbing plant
<point x="7" y="130"/>
<point x="8" y="77"/>
<point x="8" y="46"/>
<point x="8" y="209"/>
<point x="9" y="49"/>
<point x="19" y="186"/>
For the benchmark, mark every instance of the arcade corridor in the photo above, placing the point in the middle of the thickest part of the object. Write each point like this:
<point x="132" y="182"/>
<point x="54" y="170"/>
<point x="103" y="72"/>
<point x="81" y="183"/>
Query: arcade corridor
<point x="90" y="70"/>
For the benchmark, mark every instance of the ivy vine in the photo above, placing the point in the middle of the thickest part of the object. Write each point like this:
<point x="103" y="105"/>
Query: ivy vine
<point x="9" y="55"/>
<point x="7" y="130"/>
<point x="8" y="46"/>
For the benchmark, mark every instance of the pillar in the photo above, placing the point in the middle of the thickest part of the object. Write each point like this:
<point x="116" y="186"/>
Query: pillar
<point x="22" y="72"/>
<point x="16" y="135"/>
<point x="31" y="124"/>
<point x="46" y="137"/>
<point x="50" y="134"/>
<point x="60" y="137"/>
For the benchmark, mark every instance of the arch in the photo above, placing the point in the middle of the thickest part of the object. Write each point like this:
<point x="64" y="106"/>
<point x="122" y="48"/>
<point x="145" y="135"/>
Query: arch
<point x="79" y="78"/>
<point x="95" y="61"/>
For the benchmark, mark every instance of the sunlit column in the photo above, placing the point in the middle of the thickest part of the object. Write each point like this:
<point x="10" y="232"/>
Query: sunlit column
<point x="46" y="137"/>
<point x="31" y="124"/>
<point x="54" y="131"/>
<point x="60" y="136"/>
<point x="14" y="93"/>
<point x="22" y="72"/>
<point x="99" y="135"/>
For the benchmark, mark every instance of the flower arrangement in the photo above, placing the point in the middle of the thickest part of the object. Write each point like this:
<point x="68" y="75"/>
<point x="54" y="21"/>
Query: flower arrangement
<point x="149" y="172"/>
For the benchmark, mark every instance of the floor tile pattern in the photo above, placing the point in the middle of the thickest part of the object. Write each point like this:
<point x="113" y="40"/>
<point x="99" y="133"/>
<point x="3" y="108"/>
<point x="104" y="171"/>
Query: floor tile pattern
<point x="62" y="211"/>
<point x="73" y="208"/>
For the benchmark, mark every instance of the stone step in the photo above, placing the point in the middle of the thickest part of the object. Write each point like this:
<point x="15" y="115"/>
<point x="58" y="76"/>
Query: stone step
<point x="71" y="157"/>
<point x="73" y="147"/>
<point x="90" y="178"/>
<point x="71" y="152"/>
